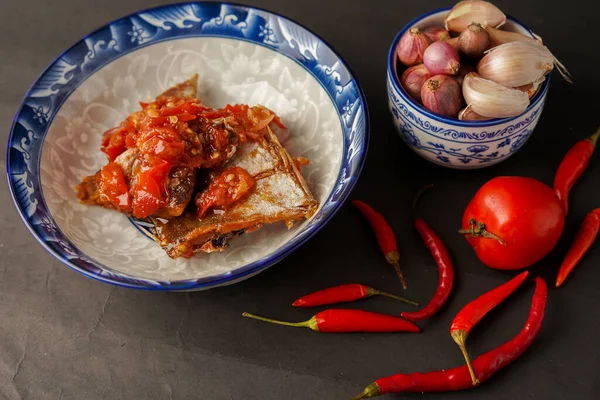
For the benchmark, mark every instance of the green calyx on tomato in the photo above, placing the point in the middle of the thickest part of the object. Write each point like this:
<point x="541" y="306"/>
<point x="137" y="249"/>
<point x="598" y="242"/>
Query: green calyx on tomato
<point x="477" y="229"/>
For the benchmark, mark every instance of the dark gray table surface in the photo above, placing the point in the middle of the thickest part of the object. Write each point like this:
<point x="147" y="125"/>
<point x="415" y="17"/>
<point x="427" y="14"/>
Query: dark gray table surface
<point x="64" y="336"/>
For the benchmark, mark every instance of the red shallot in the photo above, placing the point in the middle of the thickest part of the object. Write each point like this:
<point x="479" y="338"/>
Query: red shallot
<point x="441" y="58"/>
<point x="441" y="94"/>
<point x="411" y="47"/>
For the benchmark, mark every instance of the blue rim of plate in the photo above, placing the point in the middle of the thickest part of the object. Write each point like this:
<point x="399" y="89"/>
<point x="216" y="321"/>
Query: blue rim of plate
<point x="155" y="25"/>
<point x="452" y="121"/>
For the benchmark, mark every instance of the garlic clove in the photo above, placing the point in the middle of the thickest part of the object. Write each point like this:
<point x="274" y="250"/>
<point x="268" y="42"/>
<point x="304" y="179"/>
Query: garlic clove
<point x="469" y="11"/>
<point x="532" y="88"/>
<point x="467" y="114"/>
<point x="492" y="100"/>
<point x="516" y="64"/>
<point x="499" y="37"/>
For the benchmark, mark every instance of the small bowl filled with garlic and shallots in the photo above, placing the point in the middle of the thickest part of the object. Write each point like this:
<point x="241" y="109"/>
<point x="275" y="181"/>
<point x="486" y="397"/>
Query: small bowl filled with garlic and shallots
<point x="467" y="84"/>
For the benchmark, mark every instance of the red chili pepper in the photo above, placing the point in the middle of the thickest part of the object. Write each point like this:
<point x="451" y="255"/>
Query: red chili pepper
<point x="572" y="166"/>
<point x="343" y="293"/>
<point x="474" y="312"/>
<point x="583" y="241"/>
<point x="340" y="320"/>
<point x="442" y="258"/>
<point x="485" y="365"/>
<point x="385" y="236"/>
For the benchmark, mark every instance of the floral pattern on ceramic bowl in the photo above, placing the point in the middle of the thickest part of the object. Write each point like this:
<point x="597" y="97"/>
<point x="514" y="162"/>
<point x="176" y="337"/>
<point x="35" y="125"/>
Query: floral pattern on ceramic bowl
<point x="450" y="142"/>
<point x="242" y="55"/>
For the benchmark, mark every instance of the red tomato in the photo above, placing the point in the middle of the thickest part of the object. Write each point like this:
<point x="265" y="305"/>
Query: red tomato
<point x="226" y="189"/>
<point x="112" y="186"/>
<point x="149" y="194"/>
<point x="513" y="222"/>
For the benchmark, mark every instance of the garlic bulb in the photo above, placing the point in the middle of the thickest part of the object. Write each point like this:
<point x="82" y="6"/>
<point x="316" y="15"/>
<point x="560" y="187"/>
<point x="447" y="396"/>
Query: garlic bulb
<point x="469" y="11"/>
<point x="516" y="63"/>
<point x="492" y="100"/>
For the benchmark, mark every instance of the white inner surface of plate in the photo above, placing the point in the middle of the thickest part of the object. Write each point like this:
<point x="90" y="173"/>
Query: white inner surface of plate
<point x="230" y="71"/>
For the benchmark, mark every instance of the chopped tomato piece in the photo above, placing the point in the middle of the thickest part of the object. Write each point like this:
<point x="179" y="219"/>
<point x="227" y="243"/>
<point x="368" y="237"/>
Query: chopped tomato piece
<point x="114" y="140"/>
<point x="301" y="161"/>
<point x="112" y="186"/>
<point x="278" y="122"/>
<point x="229" y="187"/>
<point x="149" y="194"/>
<point x="185" y="117"/>
<point x="163" y="143"/>
<point x="187" y="107"/>
<point x="113" y="143"/>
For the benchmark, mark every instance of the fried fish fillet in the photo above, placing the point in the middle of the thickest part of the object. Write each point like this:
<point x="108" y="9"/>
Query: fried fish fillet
<point x="280" y="194"/>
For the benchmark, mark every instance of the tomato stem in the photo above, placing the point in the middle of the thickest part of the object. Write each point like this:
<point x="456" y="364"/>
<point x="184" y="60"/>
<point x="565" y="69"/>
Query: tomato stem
<point x="477" y="229"/>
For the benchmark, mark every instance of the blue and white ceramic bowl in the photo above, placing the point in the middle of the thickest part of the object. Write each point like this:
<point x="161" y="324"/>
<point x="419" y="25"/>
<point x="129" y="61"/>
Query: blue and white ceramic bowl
<point x="243" y="55"/>
<point x="448" y="141"/>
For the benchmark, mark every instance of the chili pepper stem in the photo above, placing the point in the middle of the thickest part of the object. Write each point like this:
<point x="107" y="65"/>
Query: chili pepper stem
<point x="477" y="229"/>
<point x="594" y="137"/>
<point x="311" y="323"/>
<point x="370" y="391"/>
<point x="418" y="197"/>
<point x="374" y="292"/>
<point x="393" y="257"/>
<point x="460" y="337"/>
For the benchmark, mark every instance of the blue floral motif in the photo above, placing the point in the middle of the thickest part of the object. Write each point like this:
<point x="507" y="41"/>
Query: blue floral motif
<point x="136" y="34"/>
<point x="170" y="22"/>
<point x="40" y="115"/>
<point x="443" y="159"/>
<point x="409" y="137"/>
<point x="437" y="145"/>
<point x="520" y="140"/>
<point x="347" y="108"/>
<point x="503" y="143"/>
<point x="480" y="148"/>
<point x="266" y="33"/>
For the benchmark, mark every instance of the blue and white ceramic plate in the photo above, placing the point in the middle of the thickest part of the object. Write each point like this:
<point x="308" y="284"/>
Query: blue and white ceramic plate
<point x="242" y="55"/>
